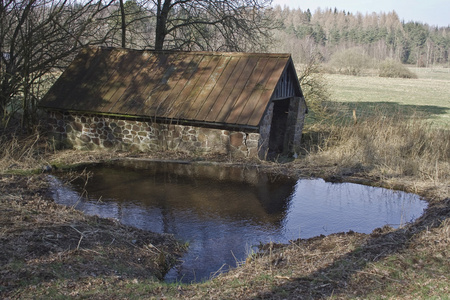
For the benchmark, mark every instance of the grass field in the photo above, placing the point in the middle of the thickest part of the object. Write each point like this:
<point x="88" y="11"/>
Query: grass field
<point x="437" y="73"/>
<point x="428" y="96"/>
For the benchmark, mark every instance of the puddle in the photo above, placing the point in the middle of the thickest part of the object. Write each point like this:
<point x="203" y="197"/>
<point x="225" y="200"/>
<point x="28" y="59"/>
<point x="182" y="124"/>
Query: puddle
<point x="225" y="212"/>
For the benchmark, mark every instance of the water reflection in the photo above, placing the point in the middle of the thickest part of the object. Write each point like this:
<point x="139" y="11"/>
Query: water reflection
<point x="224" y="211"/>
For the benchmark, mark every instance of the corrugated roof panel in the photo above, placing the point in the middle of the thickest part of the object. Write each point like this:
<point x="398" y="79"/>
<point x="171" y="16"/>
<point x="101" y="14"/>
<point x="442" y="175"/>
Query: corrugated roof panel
<point x="240" y="78"/>
<point x="85" y="87"/>
<point x="214" y="87"/>
<point x="259" y="98"/>
<point x="154" y="84"/>
<point x="276" y="73"/>
<point x="98" y="83"/>
<point x="212" y="104"/>
<point x="236" y="67"/>
<point x="268" y="84"/>
<point x="133" y="99"/>
<point x="170" y="106"/>
<point x="249" y="97"/>
<point x="73" y="75"/>
<point x="130" y="95"/>
<point x="167" y="103"/>
<point x="193" y="88"/>
<point x="120" y="80"/>
<point x="175" y="71"/>
<point x="171" y="73"/>
<point x="124" y="94"/>
<point x="245" y="90"/>
<point x="259" y="110"/>
<point x="205" y="84"/>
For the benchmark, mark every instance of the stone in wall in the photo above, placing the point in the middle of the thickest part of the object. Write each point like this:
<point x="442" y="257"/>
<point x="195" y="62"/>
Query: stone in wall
<point x="237" y="139"/>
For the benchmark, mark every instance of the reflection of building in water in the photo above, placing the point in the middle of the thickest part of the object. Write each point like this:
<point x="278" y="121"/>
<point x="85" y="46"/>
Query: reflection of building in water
<point x="222" y="211"/>
<point x="208" y="190"/>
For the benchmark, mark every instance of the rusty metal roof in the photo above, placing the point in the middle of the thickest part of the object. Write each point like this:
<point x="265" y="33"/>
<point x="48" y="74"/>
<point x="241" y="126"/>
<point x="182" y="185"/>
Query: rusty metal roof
<point x="211" y="87"/>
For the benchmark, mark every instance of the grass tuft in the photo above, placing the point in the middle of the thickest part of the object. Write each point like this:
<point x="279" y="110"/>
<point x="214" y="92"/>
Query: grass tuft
<point x="20" y="150"/>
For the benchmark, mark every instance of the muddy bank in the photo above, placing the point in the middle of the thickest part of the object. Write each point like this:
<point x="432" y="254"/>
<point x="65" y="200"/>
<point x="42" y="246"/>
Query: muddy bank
<point x="42" y="242"/>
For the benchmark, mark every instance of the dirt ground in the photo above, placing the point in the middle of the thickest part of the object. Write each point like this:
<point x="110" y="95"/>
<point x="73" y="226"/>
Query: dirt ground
<point x="51" y="251"/>
<point x="41" y="241"/>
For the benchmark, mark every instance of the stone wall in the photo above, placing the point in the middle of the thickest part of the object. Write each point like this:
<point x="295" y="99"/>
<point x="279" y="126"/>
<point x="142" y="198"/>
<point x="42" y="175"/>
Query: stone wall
<point x="296" y="120"/>
<point x="89" y="131"/>
<point x="264" y="130"/>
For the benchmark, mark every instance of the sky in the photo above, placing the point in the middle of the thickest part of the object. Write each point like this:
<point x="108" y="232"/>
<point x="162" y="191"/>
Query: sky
<point x="432" y="12"/>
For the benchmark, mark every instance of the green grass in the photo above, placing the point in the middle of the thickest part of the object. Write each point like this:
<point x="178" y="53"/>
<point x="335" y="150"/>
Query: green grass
<point x="428" y="96"/>
<point x="433" y="73"/>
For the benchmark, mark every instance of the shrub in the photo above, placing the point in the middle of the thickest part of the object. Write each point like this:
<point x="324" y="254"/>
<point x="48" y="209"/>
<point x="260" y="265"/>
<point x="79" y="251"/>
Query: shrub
<point x="395" y="69"/>
<point x="314" y="87"/>
<point x="350" y="62"/>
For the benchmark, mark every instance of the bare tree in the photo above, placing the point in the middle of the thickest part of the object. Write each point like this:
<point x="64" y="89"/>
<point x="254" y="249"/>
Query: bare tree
<point x="190" y="24"/>
<point x="130" y="24"/>
<point x="36" y="38"/>
<point x="210" y="24"/>
<point x="40" y="37"/>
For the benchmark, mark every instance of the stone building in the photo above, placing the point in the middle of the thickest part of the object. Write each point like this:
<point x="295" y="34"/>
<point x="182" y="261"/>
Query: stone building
<point x="241" y="104"/>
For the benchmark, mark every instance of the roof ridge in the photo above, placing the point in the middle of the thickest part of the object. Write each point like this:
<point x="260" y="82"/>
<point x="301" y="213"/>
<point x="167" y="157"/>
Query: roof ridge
<point x="224" y="53"/>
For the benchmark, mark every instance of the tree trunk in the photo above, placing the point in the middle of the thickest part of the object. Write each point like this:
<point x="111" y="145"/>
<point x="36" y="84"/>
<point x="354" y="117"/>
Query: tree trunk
<point x="123" y="24"/>
<point x="161" y="22"/>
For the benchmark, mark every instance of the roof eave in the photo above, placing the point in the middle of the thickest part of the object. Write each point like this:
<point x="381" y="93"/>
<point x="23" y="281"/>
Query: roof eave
<point x="185" y="122"/>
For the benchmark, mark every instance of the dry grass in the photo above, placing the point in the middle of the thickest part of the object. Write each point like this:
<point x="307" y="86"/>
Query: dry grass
<point x="386" y="149"/>
<point x="383" y="146"/>
<point x="19" y="151"/>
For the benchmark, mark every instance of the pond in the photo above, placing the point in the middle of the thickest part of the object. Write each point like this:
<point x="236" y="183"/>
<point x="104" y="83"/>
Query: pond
<point x="225" y="212"/>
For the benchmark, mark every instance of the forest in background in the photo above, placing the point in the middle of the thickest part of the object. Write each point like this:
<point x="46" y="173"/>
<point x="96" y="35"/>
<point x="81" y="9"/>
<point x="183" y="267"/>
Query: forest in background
<point x="379" y="36"/>
<point x="39" y="38"/>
